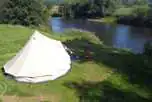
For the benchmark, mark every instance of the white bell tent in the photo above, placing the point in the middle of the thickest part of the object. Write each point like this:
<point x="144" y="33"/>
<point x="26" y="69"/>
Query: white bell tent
<point x="40" y="60"/>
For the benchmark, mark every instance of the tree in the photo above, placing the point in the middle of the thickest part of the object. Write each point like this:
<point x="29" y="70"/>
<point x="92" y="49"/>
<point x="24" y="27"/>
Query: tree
<point x="141" y="2"/>
<point x="24" y="12"/>
<point x="2" y="2"/>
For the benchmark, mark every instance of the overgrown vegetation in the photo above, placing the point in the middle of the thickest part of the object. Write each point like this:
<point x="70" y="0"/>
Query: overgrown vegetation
<point x="131" y="12"/>
<point x="100" y="8"/>
<point x="24" y="12"/>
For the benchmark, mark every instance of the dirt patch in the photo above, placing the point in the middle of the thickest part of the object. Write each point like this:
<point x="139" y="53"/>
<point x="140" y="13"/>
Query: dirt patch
<point x="44" y="98"/>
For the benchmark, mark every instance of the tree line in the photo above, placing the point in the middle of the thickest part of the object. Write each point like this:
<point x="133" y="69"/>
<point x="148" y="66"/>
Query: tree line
<point x="36" y="12"/>
<point x="100" y="8"/>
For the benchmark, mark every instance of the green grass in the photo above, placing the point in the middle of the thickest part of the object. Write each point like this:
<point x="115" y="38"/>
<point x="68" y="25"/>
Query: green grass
<point x="109" y="19"/>
<point x="106" y="78"/>
<point x="106" y="19"/>
<point x="132" y="11"/>
<point x="125" y="11"/>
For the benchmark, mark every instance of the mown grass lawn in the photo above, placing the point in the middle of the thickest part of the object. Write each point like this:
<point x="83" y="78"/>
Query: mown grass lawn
<point x="112" y="75"/>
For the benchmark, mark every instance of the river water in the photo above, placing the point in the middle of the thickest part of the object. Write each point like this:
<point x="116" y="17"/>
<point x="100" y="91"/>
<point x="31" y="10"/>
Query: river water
<point x="119" y="36"/>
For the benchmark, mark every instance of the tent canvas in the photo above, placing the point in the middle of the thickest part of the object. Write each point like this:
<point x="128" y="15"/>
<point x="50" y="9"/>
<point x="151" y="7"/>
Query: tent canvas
<point x="41" y="59"/>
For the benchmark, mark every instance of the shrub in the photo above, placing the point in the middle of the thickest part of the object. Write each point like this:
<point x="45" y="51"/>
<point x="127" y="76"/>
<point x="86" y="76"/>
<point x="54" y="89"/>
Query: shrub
<point x="24" y="12"/>
<point x="148" y="49"/>
<point x="141" y="10"/>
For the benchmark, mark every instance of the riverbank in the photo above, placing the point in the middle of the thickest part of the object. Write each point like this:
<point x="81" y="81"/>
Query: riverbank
<point x="104" y="20"/>
<point x="119" y="74"/>
<point x="138" y="21"/>
<point x="126" y="20"/>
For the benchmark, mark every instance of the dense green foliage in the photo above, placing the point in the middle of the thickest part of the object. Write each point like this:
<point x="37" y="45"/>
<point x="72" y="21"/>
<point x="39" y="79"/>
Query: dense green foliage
<point x="132" y="12"/>
<point x="2" y="2"/>
<point x="99" y="8"/>
<point x="84" y="9"/>
<point x="148" y="49"/>
<point x="24" y="12"/>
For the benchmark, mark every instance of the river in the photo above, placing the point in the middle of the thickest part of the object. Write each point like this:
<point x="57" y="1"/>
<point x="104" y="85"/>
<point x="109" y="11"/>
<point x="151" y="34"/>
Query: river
<point x="119" y="36"/>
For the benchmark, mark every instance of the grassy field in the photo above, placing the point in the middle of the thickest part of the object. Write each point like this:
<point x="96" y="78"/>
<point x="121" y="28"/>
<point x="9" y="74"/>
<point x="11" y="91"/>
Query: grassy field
<point x="112" y="75"/>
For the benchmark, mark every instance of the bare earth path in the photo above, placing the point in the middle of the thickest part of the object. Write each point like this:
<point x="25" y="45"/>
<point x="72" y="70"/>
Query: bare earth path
<point x="46" y="98"/>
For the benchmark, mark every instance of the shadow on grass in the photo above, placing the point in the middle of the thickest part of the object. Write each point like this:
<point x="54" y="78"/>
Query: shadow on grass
<point x="136" y="67"/>
<point x="103" y="92"/>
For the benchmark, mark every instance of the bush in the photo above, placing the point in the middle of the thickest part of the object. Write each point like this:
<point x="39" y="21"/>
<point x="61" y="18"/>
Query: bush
<point x="141" y="10"/>
<point x="24" y="12"/>
<point x="148" y="49"/>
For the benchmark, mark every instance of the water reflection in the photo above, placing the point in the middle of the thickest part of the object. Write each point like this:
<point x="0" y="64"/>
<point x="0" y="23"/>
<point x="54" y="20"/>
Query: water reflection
<point x="119" y="36"/>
